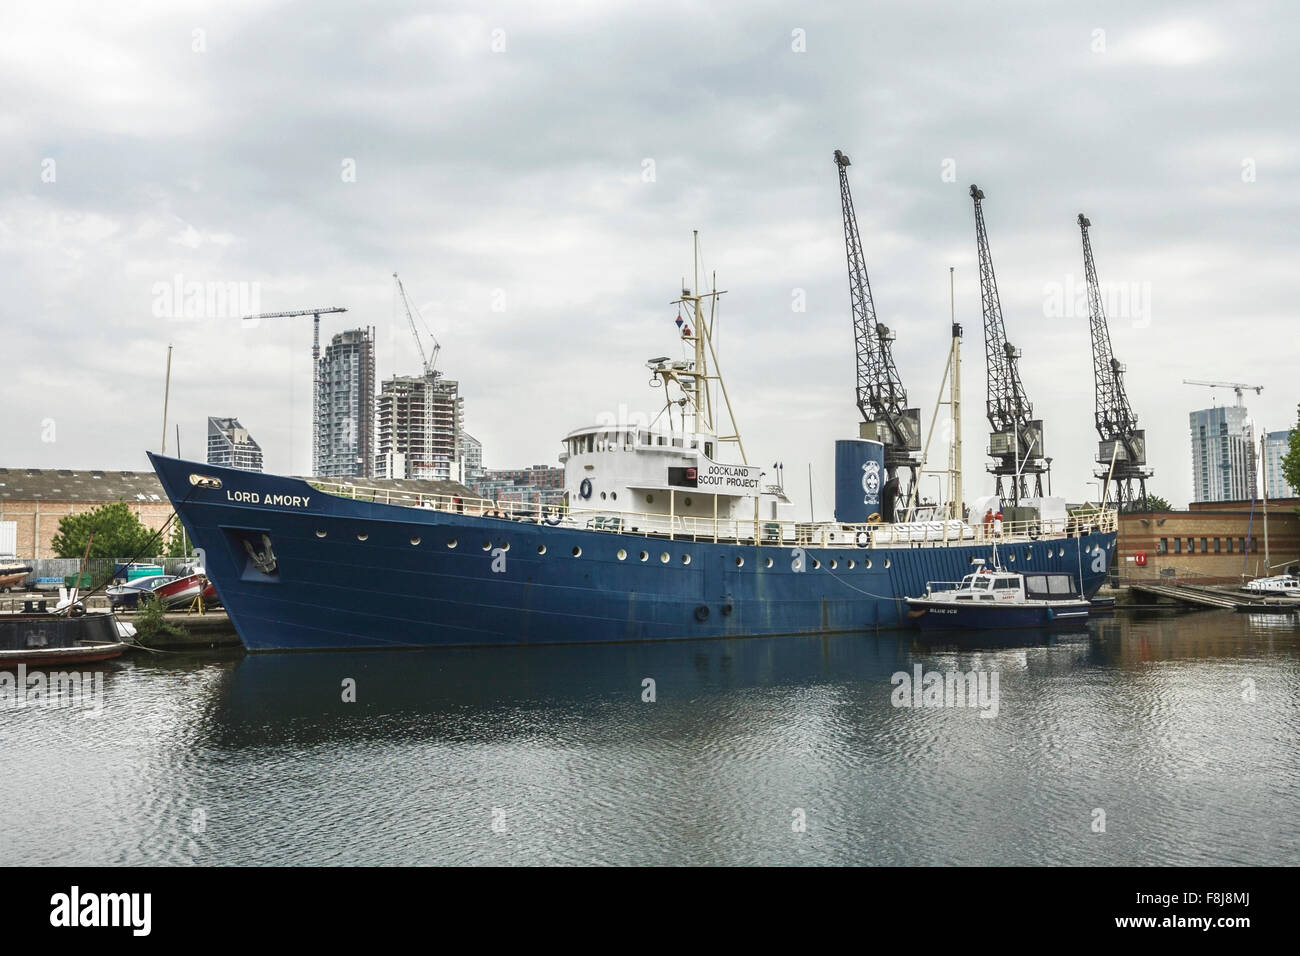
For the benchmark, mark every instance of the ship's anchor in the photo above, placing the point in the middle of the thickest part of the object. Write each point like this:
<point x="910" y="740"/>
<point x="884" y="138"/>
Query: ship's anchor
<point x="264" y="561"/>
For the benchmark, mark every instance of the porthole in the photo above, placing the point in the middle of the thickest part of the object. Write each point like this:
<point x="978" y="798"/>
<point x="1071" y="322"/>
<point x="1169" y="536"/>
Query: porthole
<point x="1029" y="555"/>
<point x="866" y="563"/>
<point x="852" y="564"/>
<point x="1062" y="552"/>
<point x="451" y="542"/>
<point x="1012" y="557"/>
<point x="415" y="542"/>
<point x="645" y="555"/>
<point x="361" y="536"/>
<point x="767" y="562"/>
<point x="320" y="534"/>
<point x="613" y="496"/>
<point x="577" y="551"/>
<point x="740" y="562"/>
<point x="602" y="496"/>
<point x="663" y="558"/>
<point x="686" y="559"/>
<point x="649" y="499"/>
<point x="505" y="545"/>
<point x="816" y="564"/>
<point x="888" y="563"/>
<point x="688" y="502"/>
<point x="834" y="565"/>
<point x="541" y="549"/>
<point x="622" y="554"/>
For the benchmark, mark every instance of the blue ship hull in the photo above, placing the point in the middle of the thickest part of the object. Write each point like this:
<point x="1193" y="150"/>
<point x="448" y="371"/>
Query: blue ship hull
<point x="350" y="574"/>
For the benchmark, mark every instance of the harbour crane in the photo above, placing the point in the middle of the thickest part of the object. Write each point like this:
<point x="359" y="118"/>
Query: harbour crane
<point x="1122" y="452"/>
<point x="1017" y="438"/>
<point x="315" y="367"/>
<point x="1237" y="387"/>
<point x="881" y="398"/>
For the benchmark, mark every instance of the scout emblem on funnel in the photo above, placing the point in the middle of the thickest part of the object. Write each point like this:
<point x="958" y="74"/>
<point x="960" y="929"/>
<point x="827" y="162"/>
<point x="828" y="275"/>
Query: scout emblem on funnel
<point x="871" y="482"/>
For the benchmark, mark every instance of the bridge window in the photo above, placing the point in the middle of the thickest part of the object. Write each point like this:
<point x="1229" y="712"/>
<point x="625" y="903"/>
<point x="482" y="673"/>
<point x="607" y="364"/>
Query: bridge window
<point x="708" y="449"/>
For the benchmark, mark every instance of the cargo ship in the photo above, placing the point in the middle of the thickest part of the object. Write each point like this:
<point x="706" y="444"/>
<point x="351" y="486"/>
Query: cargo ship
<point x="667" y="531"/>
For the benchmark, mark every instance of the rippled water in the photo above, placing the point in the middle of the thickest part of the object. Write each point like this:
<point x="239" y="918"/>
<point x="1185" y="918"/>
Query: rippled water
<point x="550" y="755"/>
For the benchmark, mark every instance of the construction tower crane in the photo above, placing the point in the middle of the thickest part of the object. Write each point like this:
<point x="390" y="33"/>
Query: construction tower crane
<point x="881" y="398"/>
<point x="1237" y="387"/>
<point x="315" y="368"/>
<point x="1017" y="438"/>
<point x="1122" y="452"/>
<point x="428" y="361"/>
<point x="419" y="447"/>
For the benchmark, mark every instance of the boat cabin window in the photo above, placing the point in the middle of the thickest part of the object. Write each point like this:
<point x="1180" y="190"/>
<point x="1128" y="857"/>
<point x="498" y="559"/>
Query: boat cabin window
<point x="662" y="440"/>
<point x="708" y="449"/>
<point x="1003" y="584"/>
<point x="677" y="443"/>
<point x="643" y="437"/>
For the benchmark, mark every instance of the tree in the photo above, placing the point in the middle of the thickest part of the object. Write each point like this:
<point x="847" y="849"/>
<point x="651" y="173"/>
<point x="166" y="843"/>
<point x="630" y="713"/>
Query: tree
<point x="1291" y="460"/>
<point x="1152" y="503"/>
<point x="118" y="533"/>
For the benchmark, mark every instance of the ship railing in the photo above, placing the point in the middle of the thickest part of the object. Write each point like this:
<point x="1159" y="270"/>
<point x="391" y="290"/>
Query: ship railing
<point x="760" y="531"/>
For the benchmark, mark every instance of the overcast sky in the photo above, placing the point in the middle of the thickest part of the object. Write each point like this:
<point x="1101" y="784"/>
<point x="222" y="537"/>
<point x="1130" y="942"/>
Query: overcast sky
<point x="534" y="170"/>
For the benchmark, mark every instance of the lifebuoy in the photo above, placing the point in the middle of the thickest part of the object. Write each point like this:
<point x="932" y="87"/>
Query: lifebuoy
<point x="873" y="518"/>
<point x="864" y="539"/>
<point x="584" y="489"/>
<point x="702" y="612"/>
<point x="726" y="609"/>
<point x="552" y="518"/>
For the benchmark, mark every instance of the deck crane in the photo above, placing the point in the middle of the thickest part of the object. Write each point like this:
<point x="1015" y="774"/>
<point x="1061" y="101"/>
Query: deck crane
<point x="1237" y="387"/>
<point x="881" y="398"/>
<point x="1017" y="438"/>
<point x="1122" y="452"/>
<point x="315" y="368"/>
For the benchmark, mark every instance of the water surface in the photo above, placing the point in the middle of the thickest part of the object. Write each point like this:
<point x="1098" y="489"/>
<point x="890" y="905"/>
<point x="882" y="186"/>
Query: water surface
<point x="1181" y="729"/>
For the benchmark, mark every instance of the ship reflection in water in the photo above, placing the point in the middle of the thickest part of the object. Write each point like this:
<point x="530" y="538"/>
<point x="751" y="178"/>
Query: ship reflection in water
<point x="1181" y="730"/>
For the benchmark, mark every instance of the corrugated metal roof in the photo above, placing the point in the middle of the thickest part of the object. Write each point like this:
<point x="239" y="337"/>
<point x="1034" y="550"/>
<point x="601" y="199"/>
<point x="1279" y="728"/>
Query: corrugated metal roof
<point x="61" y="484"/>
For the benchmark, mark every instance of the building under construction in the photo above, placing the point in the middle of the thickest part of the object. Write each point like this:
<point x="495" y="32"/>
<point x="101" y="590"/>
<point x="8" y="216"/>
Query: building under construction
<point x="419" y="419"/>
<point x="344" y="443"/>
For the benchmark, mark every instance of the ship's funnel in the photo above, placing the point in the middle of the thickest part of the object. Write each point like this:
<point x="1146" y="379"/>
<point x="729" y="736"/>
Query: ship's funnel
<point x="859" y="480"/>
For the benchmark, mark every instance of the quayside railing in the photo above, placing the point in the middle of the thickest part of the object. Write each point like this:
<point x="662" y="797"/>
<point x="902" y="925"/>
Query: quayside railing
<point x="751" y="530"/>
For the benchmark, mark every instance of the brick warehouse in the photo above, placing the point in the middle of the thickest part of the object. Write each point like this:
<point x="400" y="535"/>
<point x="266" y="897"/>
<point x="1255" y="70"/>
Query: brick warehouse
<point x="36" y="498"/>
<point x="1213" y="541"/>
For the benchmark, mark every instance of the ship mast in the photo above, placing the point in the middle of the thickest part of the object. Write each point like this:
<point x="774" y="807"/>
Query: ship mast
<point x="694" y="378"/>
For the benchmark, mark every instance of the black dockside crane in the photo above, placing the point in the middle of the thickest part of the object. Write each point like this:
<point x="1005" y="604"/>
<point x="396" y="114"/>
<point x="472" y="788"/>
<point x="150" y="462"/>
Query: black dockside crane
<point x="1016" y="441"/>
<point x="1122" y="451"/>
<point x="881" y="398"/>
